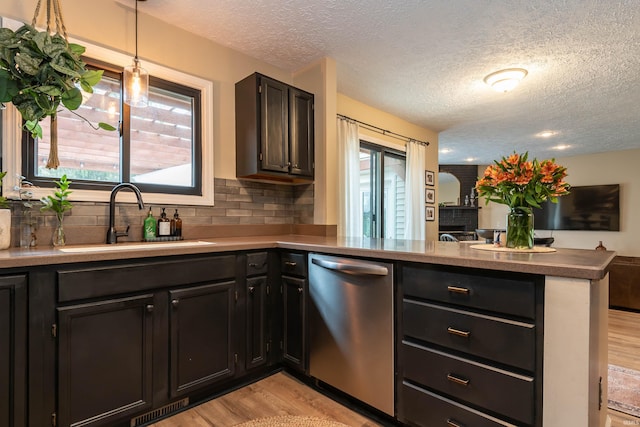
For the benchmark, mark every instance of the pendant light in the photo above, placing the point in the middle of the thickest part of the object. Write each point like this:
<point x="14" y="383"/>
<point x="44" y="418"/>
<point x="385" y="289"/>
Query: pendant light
<point x="136" y="79"/>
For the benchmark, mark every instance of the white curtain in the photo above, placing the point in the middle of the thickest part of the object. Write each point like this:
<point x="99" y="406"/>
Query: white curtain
<point x="414" y="227"/>
<point x="349" y="204"/>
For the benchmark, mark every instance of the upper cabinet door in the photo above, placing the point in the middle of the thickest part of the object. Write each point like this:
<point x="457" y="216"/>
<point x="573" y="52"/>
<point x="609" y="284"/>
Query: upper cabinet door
<point x="275" y="125"/>
<point x="274" y="131"/>
<point x="301" y="131"/>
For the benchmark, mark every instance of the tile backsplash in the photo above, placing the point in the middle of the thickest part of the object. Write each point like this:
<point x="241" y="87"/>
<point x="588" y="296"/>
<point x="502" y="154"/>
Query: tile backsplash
<point x="237" y="202"/>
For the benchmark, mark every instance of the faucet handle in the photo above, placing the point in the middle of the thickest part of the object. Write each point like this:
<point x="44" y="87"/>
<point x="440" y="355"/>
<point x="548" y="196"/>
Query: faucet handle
<point x="124" y="233"/>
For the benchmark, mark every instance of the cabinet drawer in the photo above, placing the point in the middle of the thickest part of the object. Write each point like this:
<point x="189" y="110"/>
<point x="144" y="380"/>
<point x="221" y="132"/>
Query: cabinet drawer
<point x="257" y="263"/>
<point x="501" y="340"/>
<point x="485" y="291"/>
<point x="423" y="408"/>
<point x="497" y="390"/>
<point x="293" y="264"/>
<point x="117" y="279"/>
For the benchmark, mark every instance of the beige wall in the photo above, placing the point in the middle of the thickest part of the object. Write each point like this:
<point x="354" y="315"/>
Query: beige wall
<point x="362" y="112"/>
<point x="619" y="167"/>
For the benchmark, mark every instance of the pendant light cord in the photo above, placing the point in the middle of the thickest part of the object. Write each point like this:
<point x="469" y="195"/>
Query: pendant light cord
<point x="136" y="58"/>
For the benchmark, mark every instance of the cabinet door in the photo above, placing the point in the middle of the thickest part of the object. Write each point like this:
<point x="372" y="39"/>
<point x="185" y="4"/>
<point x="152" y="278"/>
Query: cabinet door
<point x="274" y="145"/>
<point x="104" y="360"/>
<point x="201" y="323"/>
<point x="301" y="131"/>
<point x="13" y="309"/>
<point x="256" y="313"/>
<point x="295" y="318"/>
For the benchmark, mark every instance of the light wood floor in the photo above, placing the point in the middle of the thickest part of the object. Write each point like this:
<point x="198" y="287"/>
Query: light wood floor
<point x="279" y="394"/>
<point x="624" y="350"/>
<point x="282" y="394"/>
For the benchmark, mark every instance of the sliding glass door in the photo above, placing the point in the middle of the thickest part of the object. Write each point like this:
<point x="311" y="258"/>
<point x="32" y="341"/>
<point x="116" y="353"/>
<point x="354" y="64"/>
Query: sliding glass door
<point x="382" y="191"/>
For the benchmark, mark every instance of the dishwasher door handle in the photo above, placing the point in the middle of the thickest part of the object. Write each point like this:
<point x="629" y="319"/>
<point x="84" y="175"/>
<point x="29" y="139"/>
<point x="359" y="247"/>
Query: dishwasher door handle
<point x="357" y="269"/>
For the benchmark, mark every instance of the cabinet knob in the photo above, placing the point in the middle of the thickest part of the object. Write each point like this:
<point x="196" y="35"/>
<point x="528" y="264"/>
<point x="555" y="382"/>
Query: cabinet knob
<point x="300" y="290"/>
<point x="149" y="308"/>
<point x="251" y="289"/>
<point x="175" y="302"/>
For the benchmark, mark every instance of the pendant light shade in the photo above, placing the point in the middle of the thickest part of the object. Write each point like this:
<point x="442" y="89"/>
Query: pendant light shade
<point x="136" y="85"/>
<point x="136" y="79"/>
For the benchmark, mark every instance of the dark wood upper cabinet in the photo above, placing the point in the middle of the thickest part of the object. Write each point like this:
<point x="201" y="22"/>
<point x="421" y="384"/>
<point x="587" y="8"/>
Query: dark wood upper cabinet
<point x="274" y="131"/>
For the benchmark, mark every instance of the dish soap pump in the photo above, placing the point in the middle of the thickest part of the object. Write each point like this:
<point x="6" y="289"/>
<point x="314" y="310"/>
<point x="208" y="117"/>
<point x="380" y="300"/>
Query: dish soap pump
<point x="176" y="225"/>
<point x="149" y="228"/>
<point x="164" y="224"/>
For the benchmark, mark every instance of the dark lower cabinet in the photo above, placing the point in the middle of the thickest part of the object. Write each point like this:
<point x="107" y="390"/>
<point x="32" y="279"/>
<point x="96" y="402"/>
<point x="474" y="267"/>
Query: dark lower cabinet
<point x="295" y="319"/>
<point x="256" y="321"/>
<point x="136" y="337"/>
<point x="202" y="329"/>
<point x="105" y="354"/>
<point x="13" y="346"/>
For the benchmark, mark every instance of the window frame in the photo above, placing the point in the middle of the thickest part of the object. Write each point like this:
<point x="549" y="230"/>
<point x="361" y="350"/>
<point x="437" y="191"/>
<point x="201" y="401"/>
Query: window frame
<point x="13" y="152"/>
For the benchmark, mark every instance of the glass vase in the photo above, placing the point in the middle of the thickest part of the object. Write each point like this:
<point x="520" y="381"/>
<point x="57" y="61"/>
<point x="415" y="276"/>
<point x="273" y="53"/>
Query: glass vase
<point x="520" y="228"/>
<point x="58" y="239"/>
<point x="28" y="226"/>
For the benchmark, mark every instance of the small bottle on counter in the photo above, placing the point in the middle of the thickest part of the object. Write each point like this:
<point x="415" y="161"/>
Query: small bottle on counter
<point x="164" y="224"/>
<point x="176" y="225"/>
<point x="600" y="247"/>
<point x="149" y="227"/>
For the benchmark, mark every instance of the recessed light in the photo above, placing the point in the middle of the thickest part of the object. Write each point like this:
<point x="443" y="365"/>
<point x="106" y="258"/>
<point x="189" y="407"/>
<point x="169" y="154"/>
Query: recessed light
<point x="546" y="134"/>
<point x="505" y="80"/>
<point x="445" y="150"/>
<point x="561" y="147"/>
<point x="469" y="159"/>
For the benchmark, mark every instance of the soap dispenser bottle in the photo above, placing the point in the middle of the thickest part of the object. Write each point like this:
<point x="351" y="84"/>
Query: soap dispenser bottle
<point x="176" y="225"/>
<point x="149" y="227"/>
<point x="164" y="224"/>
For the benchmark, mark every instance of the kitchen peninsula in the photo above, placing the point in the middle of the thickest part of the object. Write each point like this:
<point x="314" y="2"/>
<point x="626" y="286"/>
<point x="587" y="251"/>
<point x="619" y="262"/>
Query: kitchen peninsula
<point x="555" y="302"/>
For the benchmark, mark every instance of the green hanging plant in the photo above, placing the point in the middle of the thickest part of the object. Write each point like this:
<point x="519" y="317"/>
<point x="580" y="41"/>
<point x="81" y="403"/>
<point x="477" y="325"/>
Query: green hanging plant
<point x="39" y="71"/>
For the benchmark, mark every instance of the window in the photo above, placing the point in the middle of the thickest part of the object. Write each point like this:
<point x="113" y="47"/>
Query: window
<point x="166" y="149"/>
<point x="158" y="148"/>
<point x="382" y="191"/>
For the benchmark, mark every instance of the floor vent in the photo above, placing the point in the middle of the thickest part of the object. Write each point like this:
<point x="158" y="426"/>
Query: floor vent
<point x="160" y="412"/>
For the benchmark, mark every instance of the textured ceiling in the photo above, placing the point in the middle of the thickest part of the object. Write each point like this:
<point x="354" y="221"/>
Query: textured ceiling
<point x="424" y="61"/>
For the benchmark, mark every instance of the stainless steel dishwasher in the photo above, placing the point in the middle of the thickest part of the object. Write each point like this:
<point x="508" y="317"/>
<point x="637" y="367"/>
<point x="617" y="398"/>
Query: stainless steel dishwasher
<point x="351" y="328"/>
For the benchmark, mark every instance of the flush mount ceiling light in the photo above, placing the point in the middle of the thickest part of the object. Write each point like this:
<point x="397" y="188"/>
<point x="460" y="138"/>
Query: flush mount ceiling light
<point x="505" y="80"/>
<point x="136" y="78"/>
<point x="546" y="134"/>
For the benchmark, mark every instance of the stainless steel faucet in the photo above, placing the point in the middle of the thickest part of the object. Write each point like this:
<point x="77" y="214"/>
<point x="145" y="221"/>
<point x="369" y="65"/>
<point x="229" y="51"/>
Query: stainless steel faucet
<point x="112" y="234"/>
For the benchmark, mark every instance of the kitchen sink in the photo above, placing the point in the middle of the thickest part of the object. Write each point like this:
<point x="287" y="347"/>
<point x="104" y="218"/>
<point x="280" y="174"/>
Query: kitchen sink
<point x="132" y="246"/>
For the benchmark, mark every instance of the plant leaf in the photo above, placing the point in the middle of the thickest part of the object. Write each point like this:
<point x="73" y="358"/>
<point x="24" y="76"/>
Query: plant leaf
<point x="28" y="64"/>
<point x="72" y="99"/>
<point x="106" y="126"/>
<point x="92" y="77"/>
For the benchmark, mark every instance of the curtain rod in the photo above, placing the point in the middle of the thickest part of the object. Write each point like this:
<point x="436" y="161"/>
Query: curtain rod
<point x="383" y="131"/>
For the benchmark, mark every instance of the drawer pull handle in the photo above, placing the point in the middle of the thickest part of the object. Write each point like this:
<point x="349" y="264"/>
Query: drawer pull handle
<point x="458" y="332"/>
<point x="453" y="423"/>
<point x="256" y="265"/>
<point x="290" y="264"/>
<point x="457" y="380"/>
<point x="458" y="290"/>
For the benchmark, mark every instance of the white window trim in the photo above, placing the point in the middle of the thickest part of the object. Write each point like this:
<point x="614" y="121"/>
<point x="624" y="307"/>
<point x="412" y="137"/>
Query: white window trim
<point x="12" y="140"/>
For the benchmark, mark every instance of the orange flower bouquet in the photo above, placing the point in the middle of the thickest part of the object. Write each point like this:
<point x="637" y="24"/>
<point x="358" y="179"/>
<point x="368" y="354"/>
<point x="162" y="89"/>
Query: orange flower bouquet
<point x="522" y="185"/>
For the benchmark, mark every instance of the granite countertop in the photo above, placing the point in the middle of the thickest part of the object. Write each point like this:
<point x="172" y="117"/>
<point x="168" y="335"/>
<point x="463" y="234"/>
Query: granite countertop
<point x="577" y="263"/>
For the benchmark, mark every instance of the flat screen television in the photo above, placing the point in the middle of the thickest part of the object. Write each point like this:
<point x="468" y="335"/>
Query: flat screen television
<point x="591" y="207"/>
